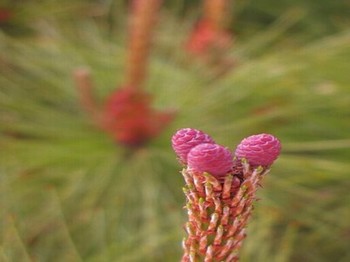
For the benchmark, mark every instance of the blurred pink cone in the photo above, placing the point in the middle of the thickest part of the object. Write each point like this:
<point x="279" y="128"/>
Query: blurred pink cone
<point x="131" y="120"/>
<point x="205" y="37"/>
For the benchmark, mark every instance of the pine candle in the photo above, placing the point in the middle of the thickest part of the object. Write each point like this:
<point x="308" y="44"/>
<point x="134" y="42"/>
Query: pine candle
<point x="220" y="190"/>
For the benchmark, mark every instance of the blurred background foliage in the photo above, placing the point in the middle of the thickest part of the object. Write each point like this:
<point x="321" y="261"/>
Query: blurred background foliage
<point x="69" y="193"/>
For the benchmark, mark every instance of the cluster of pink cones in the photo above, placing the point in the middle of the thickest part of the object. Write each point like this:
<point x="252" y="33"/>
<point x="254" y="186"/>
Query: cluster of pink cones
<point x="220" y="190"/>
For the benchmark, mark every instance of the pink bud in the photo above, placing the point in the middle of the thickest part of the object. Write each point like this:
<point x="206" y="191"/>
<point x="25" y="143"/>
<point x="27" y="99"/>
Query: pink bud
<point x="187" y="138"/>
<point x="211" y="158"/>
<point x="259" y="150"/>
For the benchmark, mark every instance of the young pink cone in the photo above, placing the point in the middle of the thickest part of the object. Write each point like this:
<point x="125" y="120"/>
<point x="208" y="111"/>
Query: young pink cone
<point x="259" y="150"/>
<point x="211" y="158"/>
<point x="187" y="138"/>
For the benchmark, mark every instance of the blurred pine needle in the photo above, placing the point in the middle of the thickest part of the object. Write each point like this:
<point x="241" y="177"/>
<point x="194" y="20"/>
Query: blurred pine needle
<point x="68" y="193"/>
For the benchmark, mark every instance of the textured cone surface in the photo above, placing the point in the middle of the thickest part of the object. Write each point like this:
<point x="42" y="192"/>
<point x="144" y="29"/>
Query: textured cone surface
<point x="187" y="138"/>
<point x="262" y="149"/>
<point x="211" y="158"/>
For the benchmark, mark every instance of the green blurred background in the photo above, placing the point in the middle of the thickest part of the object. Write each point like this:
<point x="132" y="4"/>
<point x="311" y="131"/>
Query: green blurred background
<point x="69" y="193"/>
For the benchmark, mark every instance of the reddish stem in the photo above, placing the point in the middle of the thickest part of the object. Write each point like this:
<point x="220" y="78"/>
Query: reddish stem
<point x="141" y="22"/>
<point x="84" y="85"/>
<point x="215" y="12"/>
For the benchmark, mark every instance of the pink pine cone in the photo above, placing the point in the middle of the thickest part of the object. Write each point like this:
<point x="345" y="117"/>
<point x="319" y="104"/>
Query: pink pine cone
<point x="211" y="158"/>
<point x="187" y="138"/>
<point x="259" y="150"/>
